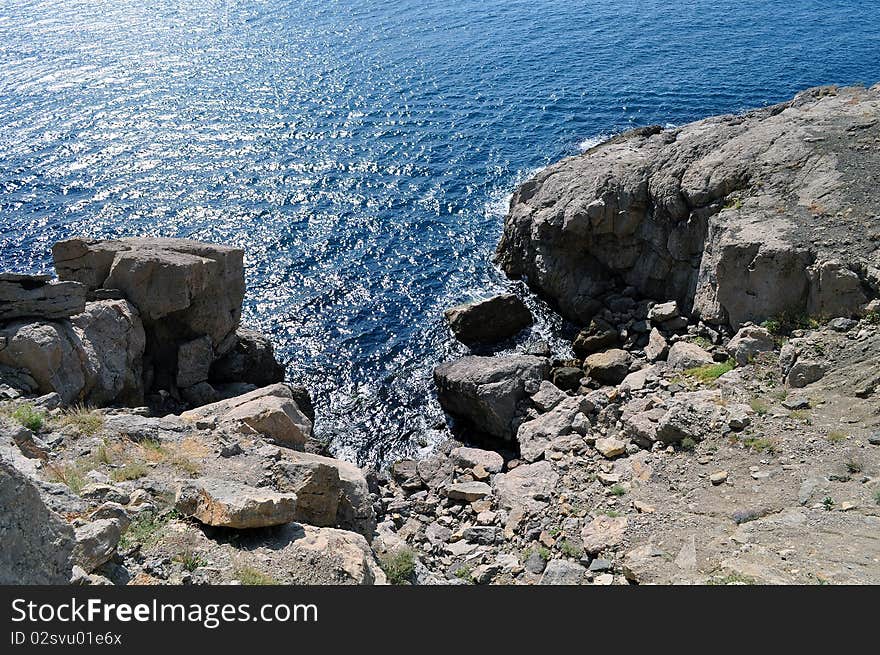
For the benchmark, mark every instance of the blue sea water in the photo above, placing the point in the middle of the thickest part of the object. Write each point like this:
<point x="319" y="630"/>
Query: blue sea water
<point x="362" y="152"/>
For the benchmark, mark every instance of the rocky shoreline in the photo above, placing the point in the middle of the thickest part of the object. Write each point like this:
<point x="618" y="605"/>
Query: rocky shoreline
<point x="715" y="421"/>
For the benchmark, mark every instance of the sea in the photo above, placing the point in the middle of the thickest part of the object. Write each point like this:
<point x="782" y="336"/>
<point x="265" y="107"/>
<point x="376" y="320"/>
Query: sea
<point x="363" y="152"/>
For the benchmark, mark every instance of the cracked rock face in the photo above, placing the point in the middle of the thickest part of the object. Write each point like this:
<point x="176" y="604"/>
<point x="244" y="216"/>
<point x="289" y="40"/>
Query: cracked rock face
<point x="737" y="218"/>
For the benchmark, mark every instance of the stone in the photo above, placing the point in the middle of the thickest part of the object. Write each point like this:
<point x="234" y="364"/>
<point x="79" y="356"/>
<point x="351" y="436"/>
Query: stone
<point x="562" y="572"/>
<point x="610" y="447"/>
<point x="692" y="416"/>
<point x="796" y="401"/>
<point x="662" y="312"/>
<point x="803" y="372"/>
<point x="490" y="320"/>
<point x="327" y="556"/>
<point x="748" y="342"/>
<point x="96" y="543"/>
<point x="194" y="361"/>
<point x="37" y="544"/>
<point x="200" y="394"/>
<point x="251" y="360"/>
<point x="719" y="477"/>
<point x="548" y="396"/>
<point x="527" y="487"/>
<point x="182" y="289"/>
<point x="599" y="335"/>
<point x="105" y="492"/>
<point x="602" y="533"/>
<point x="270" y="411"/>
<point x="481" y="534"/>
<point x="567" y="377"/>
<point x="657" y="347"/>
<point x="485" y="391"/>
<point x="37" y="296"/>
<point x="94" y="358"/>
<point x="675" y="214"/>
<point x="535" y="436"/>
<point x="228" y="504"/>
<point x="609" y="367"/>
<point x="739" y="416"/>
<point x="468" y="491"/>
<point x="330" y="492"/>
<point x="684" y="355"/>
<point x="467" y="458"/>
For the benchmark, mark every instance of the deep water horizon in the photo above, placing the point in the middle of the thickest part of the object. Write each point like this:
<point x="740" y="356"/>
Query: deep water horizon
<point x="362" y="153"/>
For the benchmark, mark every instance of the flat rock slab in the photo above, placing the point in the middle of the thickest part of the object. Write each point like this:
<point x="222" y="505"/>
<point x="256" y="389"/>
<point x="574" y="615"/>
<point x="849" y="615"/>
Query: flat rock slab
<point x="227" y="504"/>
<point x="489" y="320"/>
<point x="36" y="296"/>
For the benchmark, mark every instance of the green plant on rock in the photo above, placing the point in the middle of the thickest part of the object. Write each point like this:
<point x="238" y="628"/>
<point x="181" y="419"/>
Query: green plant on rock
<point x="760" y="444"/>
<point x="836" y="436"/>
<point x="250" y="576"/>
<point x="688" y="444"/>
<point x="571" y="549"/>
<point x="145" y="530"/>
<point x="28" y="416"/>
<point x="784" y="324"/>
<point x="131" y="471"/>
<point x="190" y="560"/>
<point x="464" y="572"/>
<point x="710" y="372"/>
<point x="399" y="566"/>
<point x="70" y="474"/>
<point x="618" y="490"/>
<point x="828" y="503"/>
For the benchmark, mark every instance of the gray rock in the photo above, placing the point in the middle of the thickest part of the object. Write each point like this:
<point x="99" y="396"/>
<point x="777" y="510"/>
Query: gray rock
<point x="599" y="335"/>
<point x="548" y="396"/>
<point x="562" y="572"/>
<point x="657" y="347"/>
<point x="676" y="214"/>
<point x="37" y="296"/>
<point x="684" y="355"/>
<point x="228" y="504"/>
<point x="535" y="436"/>
<point x="37" y="544"/>
<point x="527" y="487"/>
<point x="485" y="391"/>
<point x="748" y="342"/>
<point x="568" y="377"/>
<point x="609" y="367"/>
<point x="804" y="372"/>
<point x="468" y="458"/>
<point x="96" y="543"/>
<point x="490" y="320"/>
<point x="664" y="312"/>
<point x="194" y="359"/>
<point x="468" y="491"/>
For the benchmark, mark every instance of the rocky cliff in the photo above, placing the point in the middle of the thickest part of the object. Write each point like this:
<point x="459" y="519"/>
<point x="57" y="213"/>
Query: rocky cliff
<point x="738" y="218"/>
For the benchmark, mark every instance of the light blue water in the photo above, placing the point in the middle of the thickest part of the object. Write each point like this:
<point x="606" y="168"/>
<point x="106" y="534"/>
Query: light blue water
<point x="361" y="152"/>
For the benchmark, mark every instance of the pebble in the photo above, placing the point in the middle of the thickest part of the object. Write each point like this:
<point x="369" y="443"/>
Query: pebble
<point x="719" y="477"/>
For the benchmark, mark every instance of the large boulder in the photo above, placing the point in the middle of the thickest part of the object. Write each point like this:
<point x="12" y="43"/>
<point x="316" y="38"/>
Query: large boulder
<point x="95" y="357"/>
<point x="719" y="215"/>
<point x="38" y="296"/>
<point x="490" y="320"/>
<point x="270" y="411"/>
<point x="609" y="367"/>
<point x="227" y="504"/>
<point x="330" y="492"/>
<point x="37" y="544"/>
<point x="486" y="391"/>
<point x="748" y="342"/>
<point x="183" y="289"/>
<point x="526" y="488"/>
<point x="684" y="355"/>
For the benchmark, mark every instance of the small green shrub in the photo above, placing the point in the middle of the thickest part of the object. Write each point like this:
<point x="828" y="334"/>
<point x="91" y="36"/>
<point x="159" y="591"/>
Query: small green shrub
<point x="28" y="416"/>
<point x="464" y="572"/>
<point x="190" y="560"/>
<point x="828" y="503"/>
<point x="399" y="566"/>
<point x="688" y="444"/>
<point x="711" y="372"/>
<point x="618" y="490"/>
<point x="836" y="436"/>
<point x="787" y="322"/>
<point x="760" y="444"/>
<point x="877" y="496"/>
<point x="571" y="549"/>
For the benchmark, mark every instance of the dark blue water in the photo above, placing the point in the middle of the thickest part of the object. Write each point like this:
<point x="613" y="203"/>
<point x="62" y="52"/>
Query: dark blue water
<point x="362" y="152"/>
